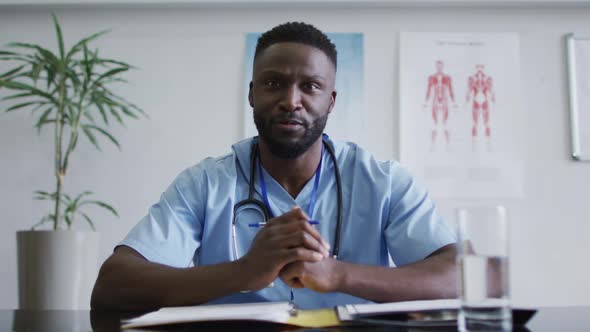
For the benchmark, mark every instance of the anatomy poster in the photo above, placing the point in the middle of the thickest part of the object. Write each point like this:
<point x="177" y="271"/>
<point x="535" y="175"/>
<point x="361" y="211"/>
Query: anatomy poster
<point x="461" y="113"/>
<point x="347" y="120"/>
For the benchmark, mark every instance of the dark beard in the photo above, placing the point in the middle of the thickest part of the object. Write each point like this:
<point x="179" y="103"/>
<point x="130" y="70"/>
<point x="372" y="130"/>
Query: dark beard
<point x="291" y="150"/>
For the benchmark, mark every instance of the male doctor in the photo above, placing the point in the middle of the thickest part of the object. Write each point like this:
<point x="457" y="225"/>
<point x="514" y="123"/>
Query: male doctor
<point x="290" y="215"/>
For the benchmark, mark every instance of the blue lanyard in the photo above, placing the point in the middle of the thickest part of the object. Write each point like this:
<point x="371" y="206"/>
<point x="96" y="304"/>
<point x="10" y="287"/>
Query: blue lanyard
<point x="314" y="192"/>
<point x="312" y="199"/>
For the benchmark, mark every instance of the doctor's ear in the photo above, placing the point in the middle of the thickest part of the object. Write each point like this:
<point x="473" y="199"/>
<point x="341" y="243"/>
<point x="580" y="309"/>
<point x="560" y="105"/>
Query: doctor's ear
<point x="250" y="97"/>
<point x="332" y="101"/>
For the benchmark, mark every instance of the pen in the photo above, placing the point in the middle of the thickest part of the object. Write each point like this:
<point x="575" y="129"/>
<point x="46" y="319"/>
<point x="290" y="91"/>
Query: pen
<point x="261" y="224"/>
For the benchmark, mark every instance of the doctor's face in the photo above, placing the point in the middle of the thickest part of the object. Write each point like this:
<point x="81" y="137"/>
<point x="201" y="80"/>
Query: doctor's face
<point x="291" y="93"/>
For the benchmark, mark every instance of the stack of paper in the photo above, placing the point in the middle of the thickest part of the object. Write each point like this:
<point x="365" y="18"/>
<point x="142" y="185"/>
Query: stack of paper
<point x="277" y="312"/>
<point x="355" y="310"/>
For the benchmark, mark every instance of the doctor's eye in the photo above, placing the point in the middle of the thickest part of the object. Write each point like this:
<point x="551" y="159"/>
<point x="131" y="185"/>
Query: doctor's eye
<point x="311" y="86"/>
<point x="272" y="83"/>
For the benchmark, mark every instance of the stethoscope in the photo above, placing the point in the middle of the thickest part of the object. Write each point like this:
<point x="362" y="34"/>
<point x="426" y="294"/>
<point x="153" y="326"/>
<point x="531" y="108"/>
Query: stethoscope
<point x="260" y="206"/>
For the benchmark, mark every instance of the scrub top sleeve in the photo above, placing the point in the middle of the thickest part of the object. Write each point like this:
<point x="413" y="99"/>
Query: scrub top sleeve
<point x="414" y="228"/>
<point x="171" y="231"/>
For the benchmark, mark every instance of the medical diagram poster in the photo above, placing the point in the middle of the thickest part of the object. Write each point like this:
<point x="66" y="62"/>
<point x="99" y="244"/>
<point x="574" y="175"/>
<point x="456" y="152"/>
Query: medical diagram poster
<point x="347" y="121"/>
<point x="461" y="113"/>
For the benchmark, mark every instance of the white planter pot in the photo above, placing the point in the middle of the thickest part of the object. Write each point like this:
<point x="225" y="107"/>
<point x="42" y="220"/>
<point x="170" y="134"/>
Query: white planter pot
<point x="56" y="269"/>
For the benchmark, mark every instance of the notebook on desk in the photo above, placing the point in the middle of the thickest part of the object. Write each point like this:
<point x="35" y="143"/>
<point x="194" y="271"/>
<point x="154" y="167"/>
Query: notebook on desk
<point x="432" y="313"/>
<point x="274" y="312"/>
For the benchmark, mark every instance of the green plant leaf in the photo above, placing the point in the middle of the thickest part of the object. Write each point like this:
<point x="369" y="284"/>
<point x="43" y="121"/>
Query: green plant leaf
<point x="41" y="195"/>
<point x="75" y="142"/>
<point x="106" y="62"/>
<point x="122" y="101"/>
<point x="36" y="108"/>
<point x="68" y="220"/>
<point x="86" y="63"/>
<point x="26" y="87"/>
<point x="67" y="198"/>
<point x="8" y="53"/>
<point x="80" y="196"/>
<point x="19" y="106"/>
<point x="113" y="111"/>
<point x="105" y="133"/>
<point x="14" y="56"/>
<point x="88" y="116"/>
<point x="50" y="75"/>
<point x="88" y="220"/>
<point x="80" y="44"/>
<point x="91" y="137"/>
<point x="43" y="220"/>
<point x="110" y="73"/>
<point x="60" y="40"/>
<point x="36" y="71"/>
<point x="72" y="114"/>
<point x="102" y="113"/>
<point x="74" y="78"/>
<point x="12" y="72"/>
<point x="101" y="204"/>
<point x="113" y="80"/>
<point x="127" y="112"/>
<point x="19" y="95"/>
<point x="70" y="208"/>
<point x="46" y="54"/>
<point x="75" y="203"/>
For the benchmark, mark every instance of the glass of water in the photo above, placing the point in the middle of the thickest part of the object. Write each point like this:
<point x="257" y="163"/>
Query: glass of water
<point x="482" y="260"/>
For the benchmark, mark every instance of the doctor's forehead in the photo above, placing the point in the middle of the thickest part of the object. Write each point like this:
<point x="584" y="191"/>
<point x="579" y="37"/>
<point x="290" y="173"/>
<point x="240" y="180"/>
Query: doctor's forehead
<point x="290" y="55"/>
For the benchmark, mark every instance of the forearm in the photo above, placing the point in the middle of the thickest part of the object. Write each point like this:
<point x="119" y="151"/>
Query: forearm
<point x="431" y="278"/>
<point x="130" y="283"/>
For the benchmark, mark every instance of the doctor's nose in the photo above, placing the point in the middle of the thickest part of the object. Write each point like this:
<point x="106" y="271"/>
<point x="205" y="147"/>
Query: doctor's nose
<point x="291" y="99"/>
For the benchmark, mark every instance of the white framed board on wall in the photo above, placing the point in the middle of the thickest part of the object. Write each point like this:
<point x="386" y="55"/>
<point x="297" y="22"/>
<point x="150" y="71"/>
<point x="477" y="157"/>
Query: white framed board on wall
<point x="578" y="67"/>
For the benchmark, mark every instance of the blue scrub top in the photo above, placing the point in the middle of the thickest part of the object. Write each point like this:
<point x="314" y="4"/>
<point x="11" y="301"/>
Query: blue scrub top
<point x="385" y="212"/>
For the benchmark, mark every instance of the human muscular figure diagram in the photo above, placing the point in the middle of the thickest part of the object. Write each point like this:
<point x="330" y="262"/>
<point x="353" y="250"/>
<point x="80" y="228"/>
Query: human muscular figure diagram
<point x="479" y="90"/>
<point x="441" y="90"/>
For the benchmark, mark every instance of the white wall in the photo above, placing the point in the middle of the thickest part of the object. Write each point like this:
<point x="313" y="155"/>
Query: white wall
<point x="190" y="83"/>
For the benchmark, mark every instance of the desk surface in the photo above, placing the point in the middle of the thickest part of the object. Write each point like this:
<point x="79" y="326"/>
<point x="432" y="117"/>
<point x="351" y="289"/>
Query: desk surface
<point x="547" y="319"/>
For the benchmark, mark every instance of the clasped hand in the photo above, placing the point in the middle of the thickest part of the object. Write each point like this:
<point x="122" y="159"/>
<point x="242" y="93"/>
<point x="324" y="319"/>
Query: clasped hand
<point x="290" y="248"/>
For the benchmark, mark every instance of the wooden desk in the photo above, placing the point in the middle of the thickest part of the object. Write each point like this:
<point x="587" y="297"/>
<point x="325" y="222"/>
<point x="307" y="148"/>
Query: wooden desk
<point x="552" y="319"/>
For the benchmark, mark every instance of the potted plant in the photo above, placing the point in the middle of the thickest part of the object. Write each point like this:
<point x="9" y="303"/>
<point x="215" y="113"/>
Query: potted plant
<point x="70" y="91"/>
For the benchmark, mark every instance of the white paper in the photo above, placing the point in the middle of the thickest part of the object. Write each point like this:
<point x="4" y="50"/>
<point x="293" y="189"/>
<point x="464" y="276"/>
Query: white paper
<point x="408" y="306"/>
<point x="461" y="113"/>
<point x="270" y="312"/>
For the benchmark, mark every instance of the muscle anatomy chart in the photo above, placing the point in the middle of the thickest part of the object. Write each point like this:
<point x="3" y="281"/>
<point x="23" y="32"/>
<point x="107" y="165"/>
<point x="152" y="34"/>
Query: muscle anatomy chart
<point x="439" y="94"/>
<point x="461" y="113"/>
<point x="479" y="97"/>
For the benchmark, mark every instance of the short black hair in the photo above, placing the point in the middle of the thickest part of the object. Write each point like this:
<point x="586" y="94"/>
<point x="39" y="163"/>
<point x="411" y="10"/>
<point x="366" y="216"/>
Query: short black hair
<point x="297" y="32"/>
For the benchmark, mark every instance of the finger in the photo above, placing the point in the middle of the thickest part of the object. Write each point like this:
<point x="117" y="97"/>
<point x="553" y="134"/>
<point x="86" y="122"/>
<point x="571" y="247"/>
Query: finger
<point x="296" y="213"/>
<point x="300" y="211"/>
<point x="308" y="227"/>
<point x="293" y="283"/>
<point x="291" y="273"/>
<point x="297" y="219"/>
<point x="302" y="239"/>
<point x="316" y="234"/>
<point x="299" y="254"/>
<point x="293" y="220"/>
